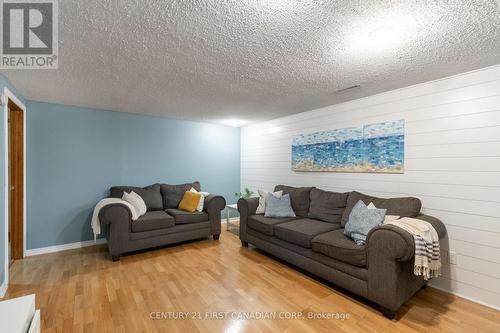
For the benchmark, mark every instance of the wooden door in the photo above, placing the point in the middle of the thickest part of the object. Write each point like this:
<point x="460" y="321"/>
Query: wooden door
<point x="16" y="181"/>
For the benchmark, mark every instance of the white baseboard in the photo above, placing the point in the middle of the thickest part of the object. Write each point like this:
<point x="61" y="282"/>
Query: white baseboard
<point x="77" y="245"/>
<point x="3" y="289"/>
<point x="63" y="247"/>
<point x="463" y="296"/>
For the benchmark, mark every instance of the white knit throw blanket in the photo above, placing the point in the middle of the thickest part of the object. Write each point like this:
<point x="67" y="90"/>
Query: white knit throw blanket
<point x="427" y="254"/>
<point x="96" y="223"/>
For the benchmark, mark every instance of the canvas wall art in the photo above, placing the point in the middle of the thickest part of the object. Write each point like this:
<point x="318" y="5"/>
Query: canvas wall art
<point x="375" y="148"/>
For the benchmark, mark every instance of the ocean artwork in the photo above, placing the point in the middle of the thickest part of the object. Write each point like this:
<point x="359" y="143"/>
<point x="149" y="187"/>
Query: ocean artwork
<point x="377" y="148"/>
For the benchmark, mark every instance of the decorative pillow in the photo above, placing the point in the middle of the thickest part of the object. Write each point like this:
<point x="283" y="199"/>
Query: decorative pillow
<point x="136" y="201"/>
<point x="404" y="207"/>
<point x="261" y="209"/>
<point x="278" y="207"/>
<point x="387" y="218"/>
<point x="327" y="206"/>
<point x="190" y="201"/>
<point x="150" y="194"/>
<point x="202" y="198"/>
<point x="172" y="194"/>
<point x="361" y="221"/>
<point x="299" y="197"/>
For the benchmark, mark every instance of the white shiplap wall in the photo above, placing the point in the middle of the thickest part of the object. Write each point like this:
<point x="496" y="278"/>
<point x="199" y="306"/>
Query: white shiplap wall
<point x="452" y="163"/>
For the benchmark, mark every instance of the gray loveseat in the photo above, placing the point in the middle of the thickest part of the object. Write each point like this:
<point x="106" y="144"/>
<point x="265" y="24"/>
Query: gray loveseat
<point x="163" y="223"/>
<point x="381" y="270"/>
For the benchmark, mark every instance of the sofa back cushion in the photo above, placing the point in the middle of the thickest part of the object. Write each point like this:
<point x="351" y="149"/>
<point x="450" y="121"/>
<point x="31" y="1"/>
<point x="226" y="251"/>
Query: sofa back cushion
<point x="172" y="194"/>
<point x="150" y="194"/>
<point x="327" y="206"/>
<point x="404" y="207"/>
<point x="299" y="196"/>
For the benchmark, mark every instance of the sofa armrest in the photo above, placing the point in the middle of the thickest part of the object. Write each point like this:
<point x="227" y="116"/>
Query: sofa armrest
<point x="391" y="242"/>
<point x="119" y="218"/>
<point x="115" y="213"/>
<point x="214" y="202"/>
<point x="396" y="243"/>
<point x="213" y="205"/>
<point x="246" y="207"/>
<point x="389" y="252"/>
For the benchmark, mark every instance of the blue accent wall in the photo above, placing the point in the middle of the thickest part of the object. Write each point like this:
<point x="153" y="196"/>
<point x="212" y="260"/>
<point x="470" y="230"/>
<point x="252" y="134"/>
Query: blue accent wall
<point x="4" y="82"/>
<point x="75" y="154"/>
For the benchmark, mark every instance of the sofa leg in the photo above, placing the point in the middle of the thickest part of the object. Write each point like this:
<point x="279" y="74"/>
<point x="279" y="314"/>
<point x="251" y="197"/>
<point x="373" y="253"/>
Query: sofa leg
<point x="216" y="237"/>
<point x="244" y="244"/>
<point x="389" y="314"/>
<point x="115" y="257"/>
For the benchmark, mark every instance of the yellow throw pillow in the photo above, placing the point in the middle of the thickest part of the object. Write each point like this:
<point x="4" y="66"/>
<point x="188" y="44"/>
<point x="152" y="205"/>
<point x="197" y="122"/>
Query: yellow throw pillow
<point x="190" y="201"/>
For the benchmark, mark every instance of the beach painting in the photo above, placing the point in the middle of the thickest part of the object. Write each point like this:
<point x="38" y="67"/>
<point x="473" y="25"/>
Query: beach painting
<point x="377" y="148"/>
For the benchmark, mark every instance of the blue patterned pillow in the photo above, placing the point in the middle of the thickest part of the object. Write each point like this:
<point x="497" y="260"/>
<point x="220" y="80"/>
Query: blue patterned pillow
<point x="278" y="207"/>
<point x="361" y="221"/>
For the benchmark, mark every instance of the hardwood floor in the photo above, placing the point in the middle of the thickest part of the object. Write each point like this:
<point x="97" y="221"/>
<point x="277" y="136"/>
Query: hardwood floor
<point x="84" y="291"/>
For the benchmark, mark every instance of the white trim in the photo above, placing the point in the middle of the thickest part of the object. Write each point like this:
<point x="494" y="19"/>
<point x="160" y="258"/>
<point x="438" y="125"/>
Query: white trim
<point x="64" y="247"/>
<point x="463" y="296"/>
<point x="6" y="188"/>
<point x="3" y="289"/>
<point x="10" y="95"/>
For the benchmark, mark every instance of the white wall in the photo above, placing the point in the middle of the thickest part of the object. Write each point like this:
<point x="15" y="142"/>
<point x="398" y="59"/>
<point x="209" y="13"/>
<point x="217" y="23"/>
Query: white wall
<point x="452" y="163"/>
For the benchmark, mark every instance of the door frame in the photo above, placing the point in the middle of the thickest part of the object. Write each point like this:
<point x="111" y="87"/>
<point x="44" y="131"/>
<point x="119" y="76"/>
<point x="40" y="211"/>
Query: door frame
<point x="6" y="96"/>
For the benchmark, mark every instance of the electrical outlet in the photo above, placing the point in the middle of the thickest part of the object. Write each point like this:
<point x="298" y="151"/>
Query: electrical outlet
<point x="452" y="258"/>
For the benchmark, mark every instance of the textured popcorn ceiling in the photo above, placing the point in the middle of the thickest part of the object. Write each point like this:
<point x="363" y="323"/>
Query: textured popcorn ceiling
<point x="254" y="60"/>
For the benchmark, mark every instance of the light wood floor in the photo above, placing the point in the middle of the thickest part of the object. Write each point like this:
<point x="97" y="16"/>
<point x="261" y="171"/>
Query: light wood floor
<point x="84" y="291"/>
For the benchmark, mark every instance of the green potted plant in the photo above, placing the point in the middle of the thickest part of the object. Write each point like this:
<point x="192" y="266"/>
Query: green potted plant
<point x="245" y="194"/>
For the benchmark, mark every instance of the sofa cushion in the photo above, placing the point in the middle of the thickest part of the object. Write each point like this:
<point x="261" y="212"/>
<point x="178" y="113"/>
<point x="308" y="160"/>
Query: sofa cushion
<point x="299" y="196"/>
<point x="265" y="225"/>
<point x="327" y="206"/>
<point x="404" y="207"/>
<point x="336" y="245"/>
<point x="183" y="217"/>
<point x="150" y="194"/>
<point x="172" y="194"/>
<point x="153" y="220"/>
<point x="302" y="231"/>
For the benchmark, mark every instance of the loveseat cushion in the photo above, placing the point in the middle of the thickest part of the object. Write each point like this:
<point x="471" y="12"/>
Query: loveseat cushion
<point x="150" y="194"/>
<point x="264" y="224"/>
<point x="404" y="207"/>
<point x="327" y="206"/>
<point x="183" y="217"/>
<point x="153" y="220"/>
<point x="336" y="245"/>
<point x="302" y="231"/>
<point x="299" y="196"/>
<point x="172" y="194"/>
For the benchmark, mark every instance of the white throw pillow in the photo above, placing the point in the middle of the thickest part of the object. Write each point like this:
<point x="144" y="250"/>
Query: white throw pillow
<point x="261" y="209"/>
<point x="201" y="203"/>
<point x="136" y="201"/>
<point x="387" y="218"/>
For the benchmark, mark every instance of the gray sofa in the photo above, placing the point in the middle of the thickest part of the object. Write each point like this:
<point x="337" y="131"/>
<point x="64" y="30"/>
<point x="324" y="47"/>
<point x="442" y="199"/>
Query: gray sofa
<point x="381" y="270"/>
<point x="163" y="223"/>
